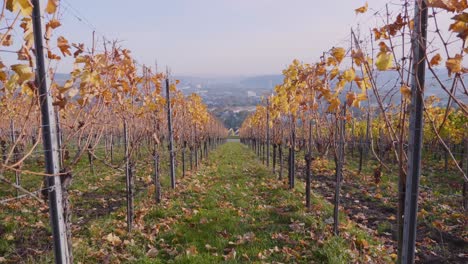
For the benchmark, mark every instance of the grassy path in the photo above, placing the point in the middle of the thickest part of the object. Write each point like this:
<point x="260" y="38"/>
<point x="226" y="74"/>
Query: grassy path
<point x="232" y="210"/>
<point x="237" y="213"/>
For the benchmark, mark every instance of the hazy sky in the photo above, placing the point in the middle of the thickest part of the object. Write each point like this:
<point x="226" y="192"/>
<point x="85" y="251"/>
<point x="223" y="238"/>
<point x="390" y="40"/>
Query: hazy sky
<point x="217" y="37"/>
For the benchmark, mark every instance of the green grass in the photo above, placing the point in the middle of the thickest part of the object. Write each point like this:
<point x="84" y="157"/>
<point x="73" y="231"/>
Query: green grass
<point x="232" y="204"/>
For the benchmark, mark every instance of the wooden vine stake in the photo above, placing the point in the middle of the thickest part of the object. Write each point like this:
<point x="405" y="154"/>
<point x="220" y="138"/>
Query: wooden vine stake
<point x="308" y="160"/>
<point x="171" y="136"/>
<point x="268" y="133"/>
<point x="128" y="179"/>
<point x="15" y="154"/>
<point x="339" y="160"/>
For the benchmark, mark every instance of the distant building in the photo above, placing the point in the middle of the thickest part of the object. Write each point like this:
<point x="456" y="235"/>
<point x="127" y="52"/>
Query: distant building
<point x="251" y="94"/>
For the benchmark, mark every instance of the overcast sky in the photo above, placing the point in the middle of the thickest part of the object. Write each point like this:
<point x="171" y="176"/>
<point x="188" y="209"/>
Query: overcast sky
<point x="217" y="37"/>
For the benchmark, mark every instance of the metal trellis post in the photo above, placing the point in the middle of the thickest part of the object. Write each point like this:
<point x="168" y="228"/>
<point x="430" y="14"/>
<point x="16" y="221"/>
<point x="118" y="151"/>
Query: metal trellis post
<point x="51" y="151"/>
<point x="416" y="132"/>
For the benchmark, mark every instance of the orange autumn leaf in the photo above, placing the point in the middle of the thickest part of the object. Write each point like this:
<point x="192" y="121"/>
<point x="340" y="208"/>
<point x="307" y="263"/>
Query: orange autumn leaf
<point x="79" y="49"/>
<point x="454" y="65"/>
<point x="358" y="57"/>
<point x="435" y="60"/>
<point x="350" y="97"/>
<point x="353" y="99"/>
<point x="54" y="23"/>
<point x="463" y="17"/>
<point x="52" y="56"/>
<point x="6" y="40"/>
<point x="449" y="5"/>
<point x="362" y="9"/>
<point x="62" y="44"/>
<point x="460" y="26"/>
<point x="334" y="104"/>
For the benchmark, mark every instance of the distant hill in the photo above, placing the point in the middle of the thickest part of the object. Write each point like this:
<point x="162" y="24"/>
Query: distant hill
<point x="238" y="85"/>
<point x="262" y="81"/>
<point x="232" y="98"/>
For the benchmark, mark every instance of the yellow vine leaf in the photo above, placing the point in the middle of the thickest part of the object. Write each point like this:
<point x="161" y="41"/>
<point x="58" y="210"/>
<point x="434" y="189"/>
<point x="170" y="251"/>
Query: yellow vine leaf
<point x="331" y="61"/>
<point x="353" y="99"/>
<point x="349" y="75"/>
<point x="363" y="83"/>
<point x="461" y="17"/>
<point x="24" y="6"/>
<point x="27" y="89"/>
<point x="81" y="59"/>
<point x="334" y="104"/>
<point x="454" y="65"/>
<point x="411" y="24"/>
<point x="12" y="82"/>
<point x="24" y="72"/>
<point x="333" y="73"/>
<point x="384" y="61"/>
<point x="457" y="26"/>
<point x="435" y="60"/>
<point x="362" y="9"/>
<point x="51" y="6"/>
<point x="338" y="53"/>
<point x="340" y="85"/>
<point x="460" y="26"/>
<point x="361" y="97"/>
<point x="405" y="91"/>
<point x="26" y="25"/>
<point x="3" y="76"/>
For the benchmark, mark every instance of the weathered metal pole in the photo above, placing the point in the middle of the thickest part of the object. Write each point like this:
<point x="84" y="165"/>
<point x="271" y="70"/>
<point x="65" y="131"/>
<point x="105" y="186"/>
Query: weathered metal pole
<point x="51" y="152"/>
<point x="415" y="132"/>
